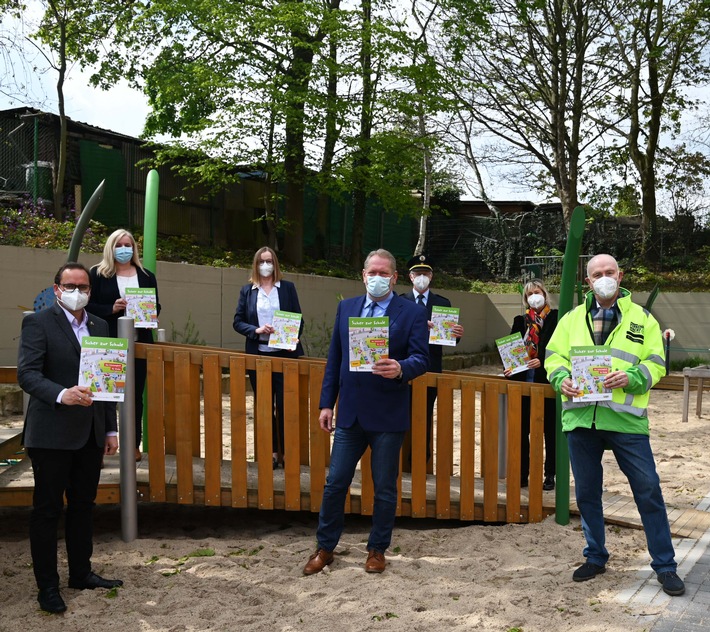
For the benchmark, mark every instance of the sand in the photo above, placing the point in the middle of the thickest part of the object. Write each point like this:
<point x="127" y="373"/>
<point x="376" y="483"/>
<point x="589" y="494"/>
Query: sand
<point x="195" y="568"/>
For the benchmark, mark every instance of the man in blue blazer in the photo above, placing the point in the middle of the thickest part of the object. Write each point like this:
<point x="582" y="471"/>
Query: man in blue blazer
<point x="66" y="435"/>
<point x="373" y="409"/>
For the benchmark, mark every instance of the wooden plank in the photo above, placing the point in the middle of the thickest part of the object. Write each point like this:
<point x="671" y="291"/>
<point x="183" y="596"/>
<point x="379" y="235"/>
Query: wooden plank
<point x="537" y="428"/>
<point x="264" y="415"/>
<point x="8" y="375"/>
<point x="183" y="426"/>
<point x="468" y="450"/>
<point x="489" y="446"/>
<point x="319" y="440"/>
<point x="513" y="440"/>
<point x="304" y="404"/>
<point x="212" y="392"/>
<point x="292" y="436"/>
<point x="417" y="451"/>
<point x="11" y="443"/>
<point x="169" y="406"/>
<point x="156" y="422"/>
<point x="237" y="399"/>
<point x="195" y="407"/>
<point x="444" y="446"/>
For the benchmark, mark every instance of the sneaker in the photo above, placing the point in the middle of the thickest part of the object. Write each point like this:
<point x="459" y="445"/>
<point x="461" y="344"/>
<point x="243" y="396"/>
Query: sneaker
<point x="549" y="483"/>
<point x="588" y="571"/>
<point x="672" y="584"/>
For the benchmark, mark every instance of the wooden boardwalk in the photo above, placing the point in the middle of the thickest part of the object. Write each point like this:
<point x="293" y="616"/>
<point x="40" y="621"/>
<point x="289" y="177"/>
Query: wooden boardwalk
<point x="620" y="510"/>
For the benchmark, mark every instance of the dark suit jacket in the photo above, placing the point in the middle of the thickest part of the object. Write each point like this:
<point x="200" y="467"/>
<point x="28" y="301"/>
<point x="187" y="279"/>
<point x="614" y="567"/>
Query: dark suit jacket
<point x="377" y="403"/>
<point x="548" y="328"/>
<point x="48" y="361"/>
<point x="435" y="351"/>
<point x="104" y="293"/>
<point x="246" y="320"/>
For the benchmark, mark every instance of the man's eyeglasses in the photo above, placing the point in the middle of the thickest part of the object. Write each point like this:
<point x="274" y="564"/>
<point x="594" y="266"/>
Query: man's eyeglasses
<point x="70" y="287"/>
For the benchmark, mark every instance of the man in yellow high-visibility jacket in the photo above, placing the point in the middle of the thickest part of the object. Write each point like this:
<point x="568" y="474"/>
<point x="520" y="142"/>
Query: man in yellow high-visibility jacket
<point x="633" y="339"/>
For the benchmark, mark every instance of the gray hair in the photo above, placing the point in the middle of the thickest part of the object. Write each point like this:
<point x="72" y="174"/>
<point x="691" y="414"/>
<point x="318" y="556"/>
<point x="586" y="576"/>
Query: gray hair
<point x="385" y="254"/>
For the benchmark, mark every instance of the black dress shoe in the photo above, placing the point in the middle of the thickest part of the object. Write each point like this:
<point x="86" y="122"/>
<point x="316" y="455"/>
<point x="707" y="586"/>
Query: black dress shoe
<point x="549" y="483"/>
<point x="92" y="580"/>
<point x="50" y="600"/>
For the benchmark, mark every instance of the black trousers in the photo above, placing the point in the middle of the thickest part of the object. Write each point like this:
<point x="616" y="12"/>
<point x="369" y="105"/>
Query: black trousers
<point x="549" y="433"/>
<point x="277" y="394"/>
<point x="56" y="472"/>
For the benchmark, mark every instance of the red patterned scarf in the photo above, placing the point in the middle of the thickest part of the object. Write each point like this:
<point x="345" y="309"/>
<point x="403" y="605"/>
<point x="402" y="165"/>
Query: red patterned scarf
<point x="534" y="323"/>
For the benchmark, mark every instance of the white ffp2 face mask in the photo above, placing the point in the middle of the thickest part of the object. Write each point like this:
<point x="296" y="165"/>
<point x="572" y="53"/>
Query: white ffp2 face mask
<point x="605" y="287"/>
<point x="421" y="282"/>
<point x="536" y="301"/>
<point x="74" y="300"/>
<point x="266" y="269"/>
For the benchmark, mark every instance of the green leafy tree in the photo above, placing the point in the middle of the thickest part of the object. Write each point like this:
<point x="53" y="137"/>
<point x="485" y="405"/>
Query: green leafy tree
<point x="527" y="86"/>
<point x="68" y="33"/>
<point x="657" y="50"/>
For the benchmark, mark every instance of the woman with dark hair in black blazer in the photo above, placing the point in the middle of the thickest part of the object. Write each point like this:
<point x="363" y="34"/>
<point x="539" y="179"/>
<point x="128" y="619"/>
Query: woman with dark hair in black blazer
<point x="119" y="269"/>
<point x="265" y="293"/>
<point x="536" y="327"/>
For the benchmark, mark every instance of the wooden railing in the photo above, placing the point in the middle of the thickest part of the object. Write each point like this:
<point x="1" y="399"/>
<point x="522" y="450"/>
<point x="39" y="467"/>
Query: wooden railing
<point x="200" y="453"/>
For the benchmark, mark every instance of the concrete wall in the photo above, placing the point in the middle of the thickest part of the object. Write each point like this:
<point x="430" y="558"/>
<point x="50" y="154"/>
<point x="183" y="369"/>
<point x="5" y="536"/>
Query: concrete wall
<point x="208" y="297"/>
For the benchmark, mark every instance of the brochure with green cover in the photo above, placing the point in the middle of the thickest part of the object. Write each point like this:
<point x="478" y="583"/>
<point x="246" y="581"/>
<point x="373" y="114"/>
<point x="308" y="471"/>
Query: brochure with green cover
<point x="368" y="341"/>
<point x="102" y="367"/>
<point x="443" y="320"/>
<point x="590" y="366"/>
<point x="286" y="327"/>
<point x="142" y="307"/>
<point x="513" y="353"/>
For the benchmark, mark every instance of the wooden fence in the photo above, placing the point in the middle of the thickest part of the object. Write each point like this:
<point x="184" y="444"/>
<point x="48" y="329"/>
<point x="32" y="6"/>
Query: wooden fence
<point x="207" y="444"/>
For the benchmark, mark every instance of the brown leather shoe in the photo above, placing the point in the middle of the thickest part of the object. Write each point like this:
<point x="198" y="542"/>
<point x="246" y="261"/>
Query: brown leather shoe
<point x="318" y="561"/>
<point x="139" y="455"/>
<point x="375" y="562"/>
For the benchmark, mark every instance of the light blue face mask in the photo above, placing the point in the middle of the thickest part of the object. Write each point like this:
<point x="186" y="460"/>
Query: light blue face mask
<point x="378" y="286"/>
<point x="123" y="254"/>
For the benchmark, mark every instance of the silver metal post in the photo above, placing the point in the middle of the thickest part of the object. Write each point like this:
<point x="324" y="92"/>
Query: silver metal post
<point x="127" y="438"/>
<point x="502" y="435"/>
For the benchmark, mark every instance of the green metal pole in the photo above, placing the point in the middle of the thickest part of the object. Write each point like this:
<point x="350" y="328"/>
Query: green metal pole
<point x="150" y="220"/>
<point x="567" y="291"/>
<point x="150" y="254"/>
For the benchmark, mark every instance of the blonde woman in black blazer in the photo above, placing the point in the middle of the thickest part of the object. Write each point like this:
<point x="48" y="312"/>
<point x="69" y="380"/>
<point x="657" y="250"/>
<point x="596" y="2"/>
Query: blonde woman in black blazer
<point x="258" y="299"/>
<point x="121" y="267"/>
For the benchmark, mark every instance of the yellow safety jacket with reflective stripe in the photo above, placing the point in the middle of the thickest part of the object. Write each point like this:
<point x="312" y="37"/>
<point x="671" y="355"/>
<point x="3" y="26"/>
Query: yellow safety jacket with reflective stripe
<point x="636" y="347"/>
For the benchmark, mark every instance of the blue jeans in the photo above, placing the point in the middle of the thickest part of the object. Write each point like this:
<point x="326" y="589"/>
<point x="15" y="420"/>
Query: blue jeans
<point x="635" y="459"/>
<point x="349" y="444"/>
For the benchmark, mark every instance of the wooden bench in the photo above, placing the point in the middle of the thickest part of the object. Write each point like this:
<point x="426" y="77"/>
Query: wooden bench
<point x="699" y="373"/>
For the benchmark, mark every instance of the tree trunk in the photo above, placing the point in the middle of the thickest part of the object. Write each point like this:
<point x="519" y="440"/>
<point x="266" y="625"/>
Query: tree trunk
<point x="58" y="184"/>
<point x="361" y="164"/>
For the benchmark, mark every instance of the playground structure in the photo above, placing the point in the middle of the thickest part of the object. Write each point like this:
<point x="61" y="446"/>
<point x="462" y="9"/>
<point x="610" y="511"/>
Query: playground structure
<point x="203" y="454"/>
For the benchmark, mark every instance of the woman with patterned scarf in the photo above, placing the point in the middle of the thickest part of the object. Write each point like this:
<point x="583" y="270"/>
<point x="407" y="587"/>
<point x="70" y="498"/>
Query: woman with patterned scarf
<point x="536" y="327"/>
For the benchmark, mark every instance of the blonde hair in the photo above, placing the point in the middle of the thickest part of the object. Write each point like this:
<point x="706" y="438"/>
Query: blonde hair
<point x="107" y="266"/>
<point x="534" y="284"/>
<point x="255" y="277"/>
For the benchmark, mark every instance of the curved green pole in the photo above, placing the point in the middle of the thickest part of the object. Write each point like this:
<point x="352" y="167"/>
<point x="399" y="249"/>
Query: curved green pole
<point x="83" y="222"/>
<point x="567" y="291"/>
<point x="150" y="253"/>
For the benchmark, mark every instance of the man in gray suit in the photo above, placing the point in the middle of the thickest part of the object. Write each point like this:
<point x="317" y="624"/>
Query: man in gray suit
<point x="66" y="435"/>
